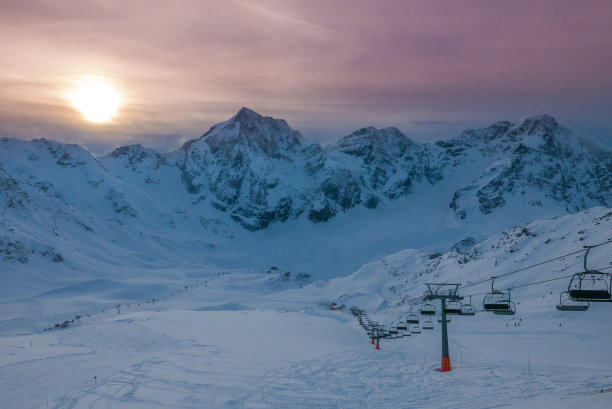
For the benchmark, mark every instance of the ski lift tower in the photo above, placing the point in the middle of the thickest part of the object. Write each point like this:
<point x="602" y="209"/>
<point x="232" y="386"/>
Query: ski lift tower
<point x="443" y="292"/>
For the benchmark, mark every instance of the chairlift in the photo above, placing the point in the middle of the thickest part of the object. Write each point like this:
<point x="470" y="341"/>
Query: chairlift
<point x="428" y="309"/>
<point x="415" y="329"/>
<point x="591" y="285"/>
<point x="401" y="325"/>
<point x="453" y="308"/>
<point x="497" y="300"/>
<point x="412" y="318"/>
<point x="468" y="309"/>
<point x="428" y="324"/>
<point x="567" y="304"/>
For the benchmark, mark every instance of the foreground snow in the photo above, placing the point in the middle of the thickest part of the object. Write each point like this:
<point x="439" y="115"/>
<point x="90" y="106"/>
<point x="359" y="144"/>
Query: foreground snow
<point x="186" y="354"/>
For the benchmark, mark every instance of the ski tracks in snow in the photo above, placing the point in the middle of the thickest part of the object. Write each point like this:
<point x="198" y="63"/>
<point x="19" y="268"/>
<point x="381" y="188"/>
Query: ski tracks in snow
<point x="377" y="379"/>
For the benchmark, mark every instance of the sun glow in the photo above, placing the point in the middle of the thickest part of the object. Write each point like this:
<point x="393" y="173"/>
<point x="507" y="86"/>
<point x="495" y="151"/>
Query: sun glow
<point x="96" y="98"/>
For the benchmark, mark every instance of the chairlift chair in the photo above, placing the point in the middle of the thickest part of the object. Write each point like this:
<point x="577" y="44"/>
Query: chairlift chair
<point x="567" y="304"/>
<point x="468" y="309"/>
<point x="428" y="324"/>
<point x="401" y="325"/>
<point x="453" y="308"/>
<point x="591" y="285"/>
<point x="428" y="309"/>
<point x="497" y="300"/>
<point x="415" y="329"/>
<point x="412" y="318"/>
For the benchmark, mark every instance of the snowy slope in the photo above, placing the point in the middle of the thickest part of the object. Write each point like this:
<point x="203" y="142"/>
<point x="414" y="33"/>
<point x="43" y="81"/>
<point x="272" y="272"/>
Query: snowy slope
<point x="254" y="339"/>
<point x="397" y="282"/>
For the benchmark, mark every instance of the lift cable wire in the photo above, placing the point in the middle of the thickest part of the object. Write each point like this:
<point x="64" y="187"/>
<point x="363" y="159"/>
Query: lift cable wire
<point x="535" y="265"/>
<point x="535" y="283"/>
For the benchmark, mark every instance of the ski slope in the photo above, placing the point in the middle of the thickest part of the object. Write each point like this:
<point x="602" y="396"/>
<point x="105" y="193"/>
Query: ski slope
<point x="192" y="353"/>
<point x="247" y="338"/>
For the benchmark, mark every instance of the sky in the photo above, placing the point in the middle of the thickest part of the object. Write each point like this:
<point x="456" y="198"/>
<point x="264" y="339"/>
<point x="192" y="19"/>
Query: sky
<point x="432" y="67"/>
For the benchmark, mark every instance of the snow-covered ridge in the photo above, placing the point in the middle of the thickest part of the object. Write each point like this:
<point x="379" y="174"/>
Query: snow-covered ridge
<point x="397" y="282"/>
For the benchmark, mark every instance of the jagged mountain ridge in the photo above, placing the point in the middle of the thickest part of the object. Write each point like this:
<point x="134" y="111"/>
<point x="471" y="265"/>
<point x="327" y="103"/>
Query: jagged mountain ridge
<point x="255" y="172"/>
<point x="262" y="171"/>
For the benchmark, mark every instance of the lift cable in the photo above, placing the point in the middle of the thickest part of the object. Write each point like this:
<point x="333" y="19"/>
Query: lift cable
<point x="535" y="265"/>
<point x="535" y="283"/>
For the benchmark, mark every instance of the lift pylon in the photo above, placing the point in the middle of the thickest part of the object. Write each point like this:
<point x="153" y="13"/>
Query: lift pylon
<point x="443" y="292"/>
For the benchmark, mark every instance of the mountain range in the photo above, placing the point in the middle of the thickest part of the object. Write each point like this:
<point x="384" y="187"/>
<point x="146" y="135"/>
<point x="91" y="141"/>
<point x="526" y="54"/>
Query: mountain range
<point x="253" y="189"/>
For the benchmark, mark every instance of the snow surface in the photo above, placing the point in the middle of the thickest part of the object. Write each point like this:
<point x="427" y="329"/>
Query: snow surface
<point x="261" y="338"/>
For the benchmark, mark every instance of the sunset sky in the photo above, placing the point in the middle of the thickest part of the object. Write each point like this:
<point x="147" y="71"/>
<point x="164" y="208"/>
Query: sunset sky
<point x="431" y="68"/>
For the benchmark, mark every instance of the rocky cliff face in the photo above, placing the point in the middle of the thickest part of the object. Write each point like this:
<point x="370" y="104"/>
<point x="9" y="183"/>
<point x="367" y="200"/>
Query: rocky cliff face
<point x="256" y="168"/>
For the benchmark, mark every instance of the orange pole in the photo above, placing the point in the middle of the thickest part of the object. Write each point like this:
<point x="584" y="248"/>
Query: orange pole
<point x="446" y="364"/>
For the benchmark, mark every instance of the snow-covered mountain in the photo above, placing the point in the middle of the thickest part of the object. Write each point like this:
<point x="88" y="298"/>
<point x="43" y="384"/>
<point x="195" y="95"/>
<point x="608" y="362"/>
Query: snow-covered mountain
<point x="538" y="163"/>
<point x="252" y="190"/>
<point x="261" y="171"/>
<point x="139" y="269"/>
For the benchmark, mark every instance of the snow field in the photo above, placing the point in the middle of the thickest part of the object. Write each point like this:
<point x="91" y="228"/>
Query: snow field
<point x="187" y="352"/>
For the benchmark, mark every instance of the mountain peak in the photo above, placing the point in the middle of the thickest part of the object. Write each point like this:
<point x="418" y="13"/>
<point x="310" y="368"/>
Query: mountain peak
<point x="134" y="150"/>
<point x="540" y="124"/>
<point x="371" y="143"/>
<point x="245" y="113"/>
<point x="372" y="135"/>
<point x="253" y="132"/>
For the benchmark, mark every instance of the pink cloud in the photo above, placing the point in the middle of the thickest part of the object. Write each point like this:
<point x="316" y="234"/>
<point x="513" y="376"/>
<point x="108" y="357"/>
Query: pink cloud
<point x="341" y="64"/>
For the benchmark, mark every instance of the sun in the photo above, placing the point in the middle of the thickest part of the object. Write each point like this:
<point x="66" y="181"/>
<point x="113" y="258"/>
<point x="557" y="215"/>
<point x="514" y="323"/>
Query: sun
<point x="96" y="98"/>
